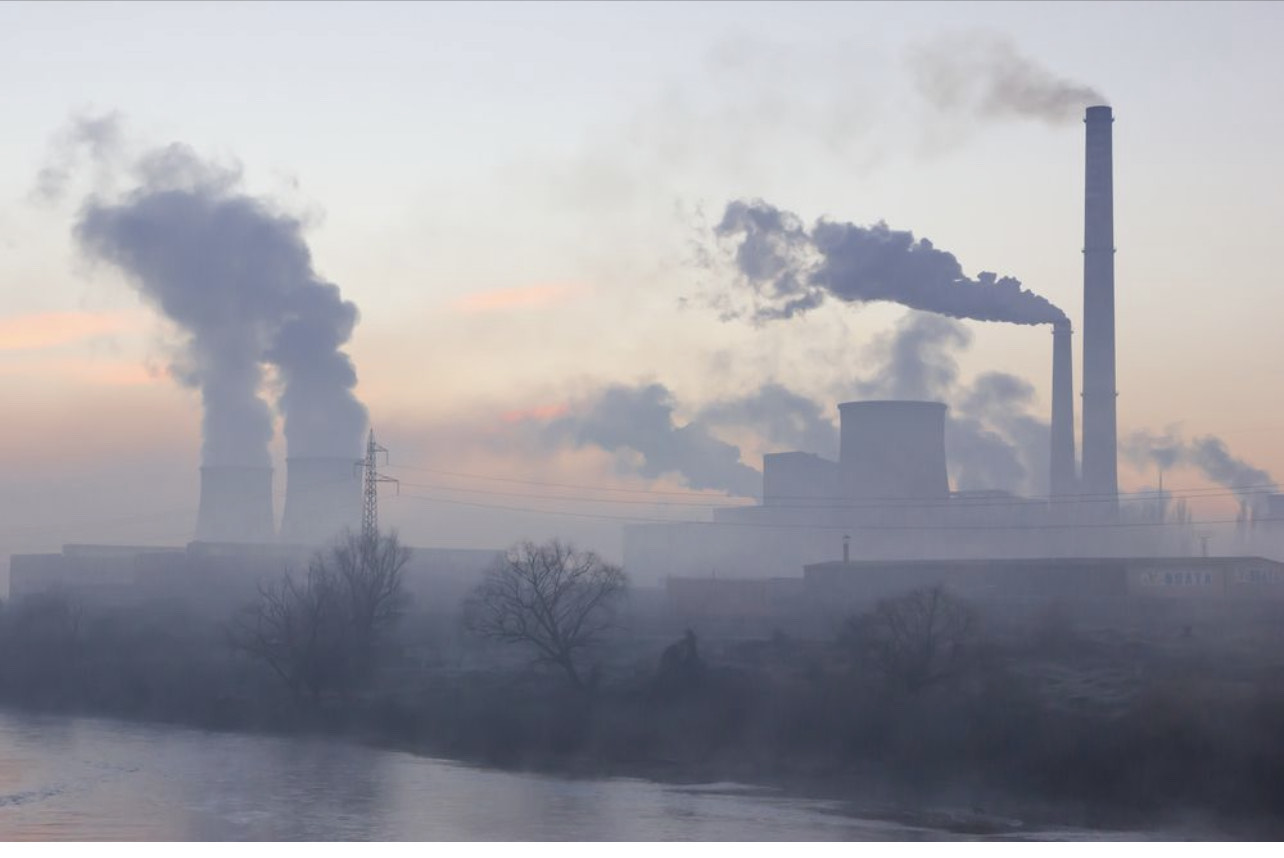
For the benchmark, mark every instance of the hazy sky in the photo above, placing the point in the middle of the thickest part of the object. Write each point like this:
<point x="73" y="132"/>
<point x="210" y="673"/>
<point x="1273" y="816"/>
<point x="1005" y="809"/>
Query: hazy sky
<point x="513" y="196"/>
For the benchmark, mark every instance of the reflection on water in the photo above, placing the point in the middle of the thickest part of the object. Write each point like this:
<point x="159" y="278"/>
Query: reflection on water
<point x="90" y="779"/>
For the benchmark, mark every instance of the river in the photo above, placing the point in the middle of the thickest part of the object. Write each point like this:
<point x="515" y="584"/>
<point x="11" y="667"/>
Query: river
<point x="72" y="778"/>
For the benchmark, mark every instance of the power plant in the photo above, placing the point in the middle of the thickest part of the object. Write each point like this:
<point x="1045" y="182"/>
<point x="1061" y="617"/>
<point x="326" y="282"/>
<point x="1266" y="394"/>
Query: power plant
<point x="886" y="501"/>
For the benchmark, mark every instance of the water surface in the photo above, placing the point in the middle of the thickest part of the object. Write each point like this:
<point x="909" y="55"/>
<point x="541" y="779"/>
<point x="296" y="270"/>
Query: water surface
<point x="65" y="778"/>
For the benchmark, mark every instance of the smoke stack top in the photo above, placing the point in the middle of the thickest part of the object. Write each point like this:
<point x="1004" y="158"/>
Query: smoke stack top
<point x="793" y="269"/>
<point x="235" y="274"/>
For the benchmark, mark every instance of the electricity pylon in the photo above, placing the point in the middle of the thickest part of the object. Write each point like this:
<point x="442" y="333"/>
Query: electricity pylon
<point x="371" y="481"/>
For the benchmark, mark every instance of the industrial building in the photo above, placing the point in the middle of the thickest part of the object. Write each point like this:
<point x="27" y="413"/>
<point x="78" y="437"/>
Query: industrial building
<point x="219" y="576"/>
<point x="1105" y="586"/>
<point x="885" y="507"/>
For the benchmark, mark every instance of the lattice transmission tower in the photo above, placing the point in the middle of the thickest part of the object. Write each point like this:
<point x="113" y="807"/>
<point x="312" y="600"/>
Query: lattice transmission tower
<point x="371" y="480"/>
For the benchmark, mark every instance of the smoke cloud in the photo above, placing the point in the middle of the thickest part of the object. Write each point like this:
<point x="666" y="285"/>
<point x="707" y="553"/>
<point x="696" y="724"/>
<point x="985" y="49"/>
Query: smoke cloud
<point x="236" y="276"/>
<point x="793" y="269"/>
<point x="915" y="360"/>
<point x="99" y="137"/>
<point x="1003" y="402"/>
<point x="1208" y="454"/>
<point x="639" y="420"/>
<point x="1145" y="449"/>
<point x="982" y="74"/>
<point x="785" y="420"/>
<point x="992" y="442"/>
<point x="1212" y="457"/>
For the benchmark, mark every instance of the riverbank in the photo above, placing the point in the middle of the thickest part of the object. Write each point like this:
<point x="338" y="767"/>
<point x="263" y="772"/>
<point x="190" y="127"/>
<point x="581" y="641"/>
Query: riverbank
<point x="870" y="810"/>
<point x="1091" y="731"/>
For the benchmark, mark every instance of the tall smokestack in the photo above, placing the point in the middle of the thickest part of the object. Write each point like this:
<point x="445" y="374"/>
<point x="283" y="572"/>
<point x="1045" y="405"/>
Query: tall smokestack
<point x="1100" y="463"/>
<point x="322" y="498"/>
<point x="1064" y="482"/>
<point x="236" y="505"/>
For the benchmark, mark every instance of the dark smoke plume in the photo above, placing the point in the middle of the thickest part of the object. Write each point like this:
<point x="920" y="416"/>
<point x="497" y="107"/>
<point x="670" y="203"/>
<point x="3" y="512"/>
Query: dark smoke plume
<point x="640" y="419"/>
<point x="983" y="74"/>
<point x="236" y="276"/>
<point x="793" y="269"/>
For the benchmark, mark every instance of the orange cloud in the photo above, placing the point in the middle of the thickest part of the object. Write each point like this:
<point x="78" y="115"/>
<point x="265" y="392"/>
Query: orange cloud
<point x="538" y="412"/>
<point x="46" y="330"/>
<point x="96" y="372"/>
<point x="515" y="297"/>
<point x="114" y="374"/>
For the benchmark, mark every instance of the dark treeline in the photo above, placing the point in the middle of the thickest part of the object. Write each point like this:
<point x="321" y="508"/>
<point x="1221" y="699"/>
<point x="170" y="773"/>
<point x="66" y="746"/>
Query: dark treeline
<point x="920" y="698"/>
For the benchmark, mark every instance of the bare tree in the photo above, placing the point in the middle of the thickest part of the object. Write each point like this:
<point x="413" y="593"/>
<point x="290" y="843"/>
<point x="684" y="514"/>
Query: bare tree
<point x="291" y="629"/>
<point x="368" y="573"/>
<point x="42" y="640"/>
<point x="915" y="640"/>
<point x="550" y="597"/>
<point x="322" y="633"/>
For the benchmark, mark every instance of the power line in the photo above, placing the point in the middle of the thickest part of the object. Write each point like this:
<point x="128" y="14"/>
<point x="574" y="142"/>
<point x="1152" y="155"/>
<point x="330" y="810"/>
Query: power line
<point x="850" y="503"/>
<point x="677" y="492"/>
<point x="1144" y="494"/>
<point x="821" y="526"/>
<point x="149" y="516"/>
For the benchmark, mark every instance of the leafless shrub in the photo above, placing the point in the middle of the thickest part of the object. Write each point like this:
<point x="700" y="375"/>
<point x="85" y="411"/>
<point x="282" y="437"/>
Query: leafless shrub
<point x="551" y="598"/>
<point x="321" y="633"/>
<point x="915" y="640"/>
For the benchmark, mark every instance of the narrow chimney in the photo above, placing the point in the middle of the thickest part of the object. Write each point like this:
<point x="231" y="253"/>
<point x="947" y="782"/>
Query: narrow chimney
<point x="1100" y="455"/>
<point x="1064" y="480"/>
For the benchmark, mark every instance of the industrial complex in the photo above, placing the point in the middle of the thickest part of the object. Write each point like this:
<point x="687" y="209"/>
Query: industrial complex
<point x="880" y="519"/>
<point x="886" y="508"/>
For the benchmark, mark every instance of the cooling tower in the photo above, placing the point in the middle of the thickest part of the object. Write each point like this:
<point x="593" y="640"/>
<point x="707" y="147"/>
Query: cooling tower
<point x="1100" y="463"/>
<point x="322" y="498"/>
<point x="236" y="505"/>
<point x="893" y="450"/>
<point x="1064" y="482"/>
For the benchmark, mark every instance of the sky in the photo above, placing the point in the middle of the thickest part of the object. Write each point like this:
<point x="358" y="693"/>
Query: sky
<point x="521" y="200"/>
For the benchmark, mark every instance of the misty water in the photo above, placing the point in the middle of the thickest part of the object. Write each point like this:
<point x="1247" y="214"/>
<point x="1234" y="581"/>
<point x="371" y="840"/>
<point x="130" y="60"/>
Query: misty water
<point x="65" y="778"/>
